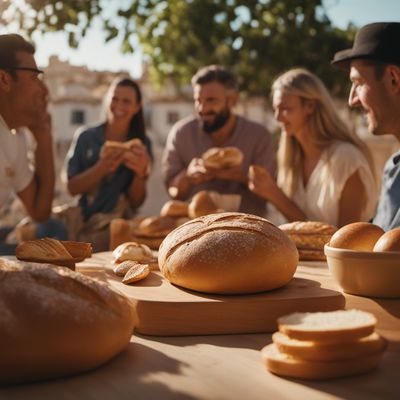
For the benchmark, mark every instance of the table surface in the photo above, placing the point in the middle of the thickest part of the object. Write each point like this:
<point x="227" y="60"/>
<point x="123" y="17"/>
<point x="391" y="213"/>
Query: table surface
<point x="225" y="366"/>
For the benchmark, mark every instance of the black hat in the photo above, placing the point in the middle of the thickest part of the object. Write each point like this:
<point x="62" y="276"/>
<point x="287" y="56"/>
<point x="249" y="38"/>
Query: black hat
<point x="379" y="41"/>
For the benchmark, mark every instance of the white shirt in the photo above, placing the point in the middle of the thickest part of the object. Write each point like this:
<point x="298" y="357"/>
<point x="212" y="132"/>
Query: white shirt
<point x="320" y="198"/>
<point x="15" y="171"/>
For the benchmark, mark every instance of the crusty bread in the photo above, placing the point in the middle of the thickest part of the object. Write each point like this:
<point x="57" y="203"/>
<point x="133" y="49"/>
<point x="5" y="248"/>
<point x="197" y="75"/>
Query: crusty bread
<point x="55" y="322"/>
<point x="282" y="364"/>
<point x="174" y="208"/>
<point x="228" y="253"/>
<point x="156" y="226"/>
<point x="389" y="241"/>
<point x="309" y="237"/>
<point x="316" y="351"/>
<point x="112" y="145"/>
<point x="136" y="273"/>
<point x="360" y="236"/>
<point x="202" y="204"/>
<point x="64" y="253"/>
<point x="328" y="327"/>
<point x="132" y="251"/>
<point x="222" y="157"/>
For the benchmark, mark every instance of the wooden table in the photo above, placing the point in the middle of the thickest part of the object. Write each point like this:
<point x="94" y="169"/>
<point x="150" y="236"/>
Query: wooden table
<point x="224" y="366"/>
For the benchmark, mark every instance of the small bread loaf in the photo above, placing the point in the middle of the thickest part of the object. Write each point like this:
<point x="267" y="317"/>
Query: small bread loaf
<point x="222" y="157"/>
<point x="316" y="351"/>
<point x="174" y="208"/>
<point x="47" y="250"/>
<point x="132" y="251"/>
<point x="156" y="226"/>
<point x="389" y="241"/>
<point x="228" y="253"/>
<point x="112" y="145"/>
<point x="55" y="322"/>
<point x="309" y="237"/>
<point x="202" y="204"/>
<point x="360" y="236"/>
<point x="328" y="327"/>
<point x="282" y="364"/>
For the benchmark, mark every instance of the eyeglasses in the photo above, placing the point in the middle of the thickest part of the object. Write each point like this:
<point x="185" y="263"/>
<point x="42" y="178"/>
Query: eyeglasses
<point x="38" y="71"/>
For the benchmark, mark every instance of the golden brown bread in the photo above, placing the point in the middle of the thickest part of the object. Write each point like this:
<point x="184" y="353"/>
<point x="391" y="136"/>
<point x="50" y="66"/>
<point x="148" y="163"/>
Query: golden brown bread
<point x="202" y="204"/>
<point x="389" y="241"/>
<point x="309" y="237"/>
<point x="155" y="227"/>
<point x="228" y="253"/>
<point x="222" y="157"/>
<point x="64" y="253"/>
<point x="360" y="236"/>
<point x="112" y="145"/>
<point x="132" y="251"/>
<point x="174" y="208"/>
<point x="55" y="322"/>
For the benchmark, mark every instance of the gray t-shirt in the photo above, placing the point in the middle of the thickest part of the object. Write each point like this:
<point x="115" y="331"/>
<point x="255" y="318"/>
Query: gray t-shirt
<point x="186" y="140"/>
<point x="388" y="213"/>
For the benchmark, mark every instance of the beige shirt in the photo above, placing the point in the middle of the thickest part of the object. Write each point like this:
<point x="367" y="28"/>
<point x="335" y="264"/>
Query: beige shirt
<point x="15" y="171"/>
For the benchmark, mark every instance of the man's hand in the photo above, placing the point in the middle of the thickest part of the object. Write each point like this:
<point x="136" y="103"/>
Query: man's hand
<point x="231" y="174"/>
<point x="197" y="173"/>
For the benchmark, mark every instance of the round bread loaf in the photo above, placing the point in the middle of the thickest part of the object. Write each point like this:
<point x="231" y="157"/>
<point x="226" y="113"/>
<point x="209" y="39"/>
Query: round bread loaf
<point x="228" y="253"/>
<point x="389" y="241"/>
<point x="155" y="226"/>
<point x="222" y="157"/>
<point x="360" y="236"/>
<point x="56" y="322"/>
<point x="201" y="204"/>
<point x="174" y="208"/>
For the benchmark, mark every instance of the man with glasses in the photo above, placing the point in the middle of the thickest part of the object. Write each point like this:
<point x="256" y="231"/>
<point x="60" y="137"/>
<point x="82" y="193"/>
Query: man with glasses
<point x="23" y="104"/>
<point x="215" y="93"/>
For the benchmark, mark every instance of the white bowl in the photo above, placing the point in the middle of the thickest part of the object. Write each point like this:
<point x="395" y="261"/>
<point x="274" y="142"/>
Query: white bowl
<point x="365" y="273"/>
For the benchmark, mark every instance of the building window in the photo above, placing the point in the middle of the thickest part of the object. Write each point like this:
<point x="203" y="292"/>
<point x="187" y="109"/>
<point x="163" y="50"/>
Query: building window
<point x="77" y="117"/>
<point x="172" y="117"/>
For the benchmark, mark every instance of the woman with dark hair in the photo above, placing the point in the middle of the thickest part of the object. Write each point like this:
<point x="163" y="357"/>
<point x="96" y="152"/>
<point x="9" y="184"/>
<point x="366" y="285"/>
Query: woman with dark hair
<point x="111" y="183"/>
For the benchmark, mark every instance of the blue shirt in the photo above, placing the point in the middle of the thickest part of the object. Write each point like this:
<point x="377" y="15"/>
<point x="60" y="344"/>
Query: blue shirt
<point x="388" y="213"/>
<point x="84" y="154"/>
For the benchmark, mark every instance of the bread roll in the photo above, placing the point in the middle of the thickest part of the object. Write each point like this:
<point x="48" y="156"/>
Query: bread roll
<point x="360" y="236"/>
<point x="112" y="145"/>
<point x="328" y="327"/>
<point x="132" y="251"/>
<point x="174" y="208"/>
<point x="283" y="364"/>
<point x="155" y="226"/>
<point x="55" y="322"/>
<point x="222" y="157"/>
<point x="228" y="253"/>
<point x="389" y="241"/>
<point x="316" y="351"/>
<point x="309" y="237"/>
<point x="201" y="204"/>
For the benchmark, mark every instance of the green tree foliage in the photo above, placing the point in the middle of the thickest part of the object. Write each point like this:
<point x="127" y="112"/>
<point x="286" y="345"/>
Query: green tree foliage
<point x="257" y="39"/>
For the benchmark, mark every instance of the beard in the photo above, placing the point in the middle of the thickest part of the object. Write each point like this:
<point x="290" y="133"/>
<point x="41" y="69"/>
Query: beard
<point x="220" y="119"/>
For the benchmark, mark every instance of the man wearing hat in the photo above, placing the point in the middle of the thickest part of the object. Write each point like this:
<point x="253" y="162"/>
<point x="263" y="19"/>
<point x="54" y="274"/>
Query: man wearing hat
<point x="374" y="67"/>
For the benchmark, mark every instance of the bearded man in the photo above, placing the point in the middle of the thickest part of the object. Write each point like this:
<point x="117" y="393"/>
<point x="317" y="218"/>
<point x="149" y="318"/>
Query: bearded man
<point x="216" y="125"/>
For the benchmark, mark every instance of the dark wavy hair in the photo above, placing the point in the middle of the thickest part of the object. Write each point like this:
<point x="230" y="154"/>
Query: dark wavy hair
<point x="137" y="128"/>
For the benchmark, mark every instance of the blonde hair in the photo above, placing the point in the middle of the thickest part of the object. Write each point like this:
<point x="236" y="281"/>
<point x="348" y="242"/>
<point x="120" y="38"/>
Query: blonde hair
<point x="325" y="126"/>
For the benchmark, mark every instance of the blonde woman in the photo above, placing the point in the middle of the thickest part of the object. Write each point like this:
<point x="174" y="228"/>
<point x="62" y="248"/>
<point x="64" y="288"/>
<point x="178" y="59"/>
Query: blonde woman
<point x="325" y="172"/>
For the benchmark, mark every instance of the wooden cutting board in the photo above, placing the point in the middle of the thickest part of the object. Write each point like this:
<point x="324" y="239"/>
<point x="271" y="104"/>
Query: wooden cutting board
<point x="163" y="309"/>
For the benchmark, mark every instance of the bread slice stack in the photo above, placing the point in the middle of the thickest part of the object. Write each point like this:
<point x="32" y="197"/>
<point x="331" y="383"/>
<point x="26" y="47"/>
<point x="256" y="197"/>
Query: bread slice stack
<point x="324" y="345"/>
<point x="51" y="251"/>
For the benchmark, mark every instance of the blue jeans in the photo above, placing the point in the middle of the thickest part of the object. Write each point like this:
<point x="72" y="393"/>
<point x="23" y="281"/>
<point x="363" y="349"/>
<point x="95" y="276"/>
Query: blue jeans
<point x="51" y="228"/>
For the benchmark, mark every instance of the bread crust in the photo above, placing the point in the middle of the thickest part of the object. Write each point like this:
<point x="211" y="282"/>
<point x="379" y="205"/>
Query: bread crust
<point x="174" y="208"/>
<point x="222" y="157"/>
<point x="389" y="241"/>
<point x="56" y="322"/>
<point x="228" y="253"/>
<point x="201" y="204"/>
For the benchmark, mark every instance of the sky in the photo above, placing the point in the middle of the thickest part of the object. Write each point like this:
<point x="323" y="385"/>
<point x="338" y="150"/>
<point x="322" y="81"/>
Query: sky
<point x="97" y="55"/>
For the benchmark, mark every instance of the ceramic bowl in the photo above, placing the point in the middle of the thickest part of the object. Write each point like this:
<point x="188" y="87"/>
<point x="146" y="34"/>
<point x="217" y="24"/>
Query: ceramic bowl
<point x="365" y="273"/>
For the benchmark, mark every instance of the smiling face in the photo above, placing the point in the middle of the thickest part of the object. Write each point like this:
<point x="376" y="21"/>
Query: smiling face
<point x="213" y="104"/>
<point x="28" y="94"/>
<point x="374" y="96"/>
<point x="291" y="112"/>
<point x="123" y="104"/>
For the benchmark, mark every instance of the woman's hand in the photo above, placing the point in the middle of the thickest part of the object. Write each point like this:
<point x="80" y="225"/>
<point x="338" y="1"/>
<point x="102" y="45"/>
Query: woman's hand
<point x="109" y="161"/>
<point x="137" y="160"/>
<point x="261" y="182"/>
